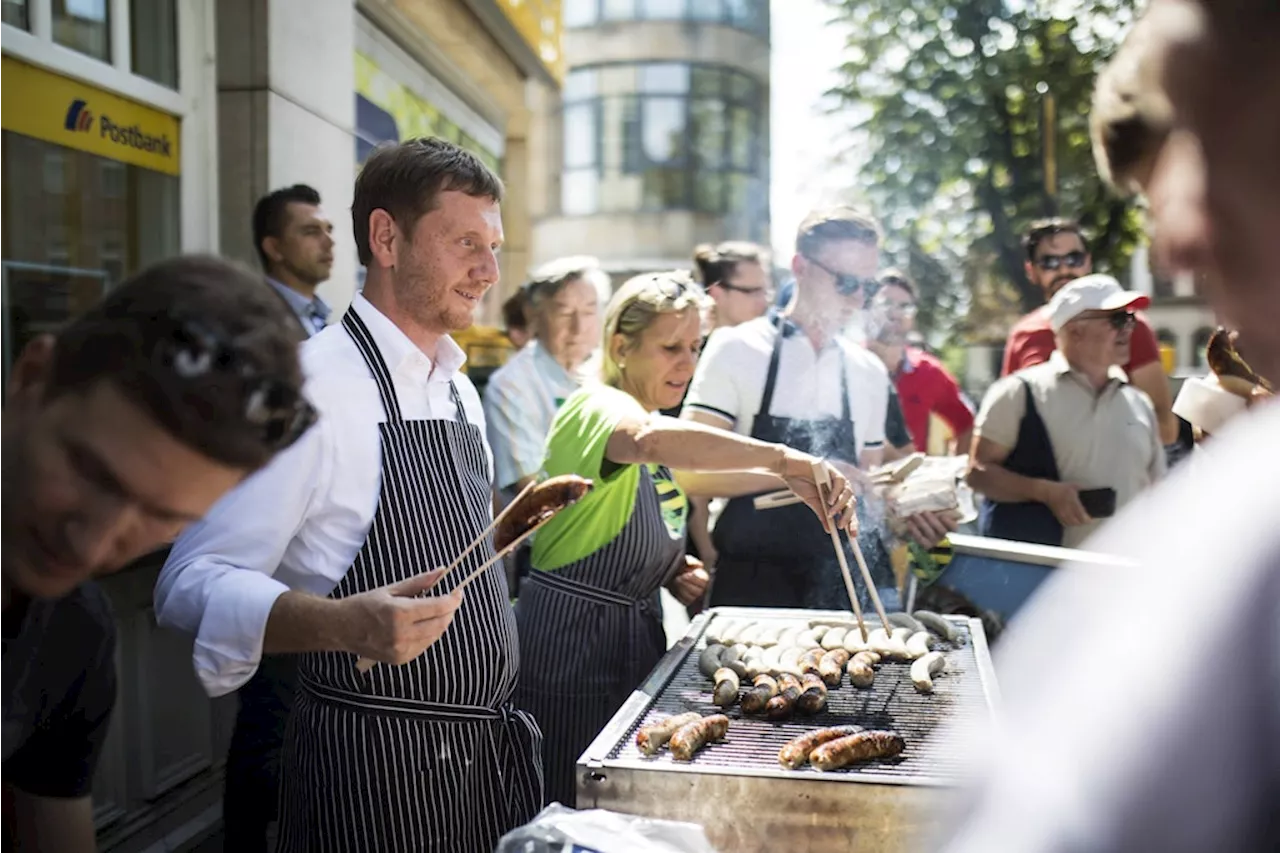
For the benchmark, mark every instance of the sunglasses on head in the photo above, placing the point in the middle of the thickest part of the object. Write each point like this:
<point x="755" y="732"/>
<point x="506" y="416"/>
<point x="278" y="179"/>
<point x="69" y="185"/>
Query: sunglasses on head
<point x="846" y="285"/>
<point x="274" y="407"/>
<point x="1073" y="260"/>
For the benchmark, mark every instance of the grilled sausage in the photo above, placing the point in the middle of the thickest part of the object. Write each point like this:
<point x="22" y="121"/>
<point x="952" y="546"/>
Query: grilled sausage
<point x="755" y="699"/>
<point x="732" y="658"/>
<point x="813" y="698"/>
<point x="938" y="625"/>
<point x="694" y="736"/>
<point x="709" y="660"/>
<point x="918" y="644"/>
<point x="651" y="739"/>
<point x="539" y="504"/>
<point x="834" y="638"/>
<point x="862" y="668"/>
<point x="810" y="660"/>
<point x="795" y="752"/>
<point x="831" y="667"/>
<point x="863" y="746"/>
<point x="726" y="692"/>
<point x="747" y="636"/>
<point x="904" y="620"/>
<point x="923" y="671"/>
<point x="810" y="639"/>
<point x="782" y="706"/>
<point x="769" y="636"/>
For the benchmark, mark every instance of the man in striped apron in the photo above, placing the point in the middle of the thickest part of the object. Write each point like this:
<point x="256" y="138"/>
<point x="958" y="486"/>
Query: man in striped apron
<point x="329" y="554"/>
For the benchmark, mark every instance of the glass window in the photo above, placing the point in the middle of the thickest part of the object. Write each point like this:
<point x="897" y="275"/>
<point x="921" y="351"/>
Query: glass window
<point x="709" y="192"/>
<point x="15" y="13"/>
<point x="706" y="10"/>
<point x="664" y="78"/>
<point x="708" y="81"/>
<point x="579" y="192"/>
<point x="708" y="133"/>
<point x="669" y="10"/>
<point x="83" y="25"/>
<point x="580" y="13"/>
<point x="618" y="10"/>
<point x="741" y="136"/>
<point x="580" y="135"/>
<point x="579" y="84"/>
<point x="741" y="87"/>
<point x="153" y="25"/>
<point x="664" y="189"/>
<point x="663" y="124"/>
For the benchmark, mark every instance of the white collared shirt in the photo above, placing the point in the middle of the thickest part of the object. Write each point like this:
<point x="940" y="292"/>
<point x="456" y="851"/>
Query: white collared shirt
<point x="299" y="523"/>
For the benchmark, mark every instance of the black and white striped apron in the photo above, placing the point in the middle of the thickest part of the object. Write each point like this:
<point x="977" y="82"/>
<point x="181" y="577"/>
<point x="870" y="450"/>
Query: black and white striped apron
<point x="590" y="632"/>
<point x="429" y="756"/>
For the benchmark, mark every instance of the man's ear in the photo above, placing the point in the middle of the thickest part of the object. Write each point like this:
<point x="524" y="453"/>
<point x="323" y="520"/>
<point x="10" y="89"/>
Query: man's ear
<point x="1030" y="270"/>
<point x="31" y="371"/>
<point x="383" y="238"/>
<point x="271" y="248"/>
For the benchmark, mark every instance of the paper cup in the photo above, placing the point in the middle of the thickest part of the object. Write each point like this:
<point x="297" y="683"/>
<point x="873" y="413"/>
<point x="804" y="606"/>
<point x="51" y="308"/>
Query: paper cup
<point x="1204" y="403"/>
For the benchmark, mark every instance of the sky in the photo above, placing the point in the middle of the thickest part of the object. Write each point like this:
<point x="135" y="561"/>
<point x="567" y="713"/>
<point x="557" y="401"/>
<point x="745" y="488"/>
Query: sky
<point x="805" y="54"/>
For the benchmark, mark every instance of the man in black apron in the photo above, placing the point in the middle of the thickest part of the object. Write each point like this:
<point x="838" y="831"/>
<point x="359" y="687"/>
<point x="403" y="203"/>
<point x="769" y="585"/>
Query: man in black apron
<point x="424" y="752"/>
<point x="817" y="392"/>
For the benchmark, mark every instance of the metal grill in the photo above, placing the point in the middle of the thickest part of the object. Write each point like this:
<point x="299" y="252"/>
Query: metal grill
<point x="961" y="693"/>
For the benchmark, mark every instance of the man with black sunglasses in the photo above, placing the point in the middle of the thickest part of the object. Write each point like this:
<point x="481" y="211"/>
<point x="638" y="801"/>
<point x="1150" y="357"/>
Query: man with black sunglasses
<point x="1057" y="255"/>
<point x="119" y="431"/>
<point x="1062" y="444"/>
<point x="793" y="377"/>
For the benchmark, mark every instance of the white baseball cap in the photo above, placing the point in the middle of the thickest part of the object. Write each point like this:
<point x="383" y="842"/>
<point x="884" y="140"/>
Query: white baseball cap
<point x="1091" y="293"/>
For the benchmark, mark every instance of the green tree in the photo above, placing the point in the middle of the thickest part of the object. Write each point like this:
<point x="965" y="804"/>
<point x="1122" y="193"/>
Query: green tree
<point x="946" y="100"/>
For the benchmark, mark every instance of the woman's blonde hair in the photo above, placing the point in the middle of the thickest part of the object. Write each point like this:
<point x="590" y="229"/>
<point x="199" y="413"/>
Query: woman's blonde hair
<point x="637" y="304"/>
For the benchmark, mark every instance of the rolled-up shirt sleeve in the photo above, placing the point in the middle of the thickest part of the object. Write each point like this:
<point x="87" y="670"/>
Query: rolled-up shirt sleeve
<point x="218" y="581"/>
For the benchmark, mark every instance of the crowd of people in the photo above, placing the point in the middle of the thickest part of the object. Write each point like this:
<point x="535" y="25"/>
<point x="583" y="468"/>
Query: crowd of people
<point x="311" y="521"/>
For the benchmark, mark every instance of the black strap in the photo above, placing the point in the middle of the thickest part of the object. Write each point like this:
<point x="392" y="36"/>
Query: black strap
<point x="771" y="378"/>
<point x="382" y="376"/>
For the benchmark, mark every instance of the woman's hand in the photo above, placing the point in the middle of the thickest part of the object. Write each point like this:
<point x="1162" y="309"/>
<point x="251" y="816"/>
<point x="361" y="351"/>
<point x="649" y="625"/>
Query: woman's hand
<point x="690" y="585"/>
<point x="833" y="501"/>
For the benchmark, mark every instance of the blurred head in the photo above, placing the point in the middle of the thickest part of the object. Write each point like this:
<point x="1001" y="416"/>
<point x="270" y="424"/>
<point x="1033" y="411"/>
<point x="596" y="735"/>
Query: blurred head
<point x="837" y="255"/>
<point x="140" y="414"/>
<point x="1056" y="254"/>
<point x="293" y="236"/>
<point x="565" y="300"/>
<point x="428" y="228"/>
<point x="652" y="336"/>
<point x="894" y="308"/>
<point x="1093" y="318"/>
<point x="736" y="278"/>
<point x="515" y="323"/>
<point x="1213" y="185"/>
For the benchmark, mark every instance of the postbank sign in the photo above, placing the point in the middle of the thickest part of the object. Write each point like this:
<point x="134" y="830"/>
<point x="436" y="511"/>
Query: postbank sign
<point x="76" y="115"/>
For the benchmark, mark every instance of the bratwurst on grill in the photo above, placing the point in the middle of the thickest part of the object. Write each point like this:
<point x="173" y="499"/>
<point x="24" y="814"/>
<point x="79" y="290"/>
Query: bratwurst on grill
<point x="863" y="746"/>
<point x="539" y="504"/>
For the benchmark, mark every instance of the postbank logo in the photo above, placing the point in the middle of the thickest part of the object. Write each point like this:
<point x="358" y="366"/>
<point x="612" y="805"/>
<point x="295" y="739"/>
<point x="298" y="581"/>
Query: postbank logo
<point x="77" y="115"/>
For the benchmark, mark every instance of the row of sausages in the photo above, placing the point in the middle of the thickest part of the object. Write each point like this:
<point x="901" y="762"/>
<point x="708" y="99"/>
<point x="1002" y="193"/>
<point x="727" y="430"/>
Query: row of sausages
<point x="839" y="746"/>
<point x="683" y="734"/>
<point x="824" y="633"/>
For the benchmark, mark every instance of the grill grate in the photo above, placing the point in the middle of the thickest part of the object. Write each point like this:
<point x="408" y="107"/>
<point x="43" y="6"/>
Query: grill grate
<point x="892" y="703"/>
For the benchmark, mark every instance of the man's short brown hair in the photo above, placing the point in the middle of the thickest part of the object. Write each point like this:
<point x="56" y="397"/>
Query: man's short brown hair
<point x="204" y="347"/>
<point x="835" y="224"/>
<point x="405" y="179"/>
<point x="1043" y="229"/>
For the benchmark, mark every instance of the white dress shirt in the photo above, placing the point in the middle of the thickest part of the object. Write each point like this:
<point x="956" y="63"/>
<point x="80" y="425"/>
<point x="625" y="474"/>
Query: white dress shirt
<point x="299" y="523"/>
<point x="729" y="380"/>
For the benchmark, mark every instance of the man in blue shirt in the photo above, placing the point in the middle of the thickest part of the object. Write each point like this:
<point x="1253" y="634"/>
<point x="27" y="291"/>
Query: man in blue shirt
<point x="294" y="239"/>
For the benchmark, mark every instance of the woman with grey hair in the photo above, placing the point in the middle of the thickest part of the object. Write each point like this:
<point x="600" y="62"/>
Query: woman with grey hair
<point x="563" y="300"/>
<point x="589" y="615"/>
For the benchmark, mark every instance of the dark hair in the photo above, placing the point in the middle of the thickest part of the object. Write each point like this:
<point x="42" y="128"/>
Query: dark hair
<point x="894" y="277"/>
<point x="1043" y="229"/>
<point x="513" y="311"/>
<point x="271" y="212"/>
<point x="831" y="224"/>
<point x="717" y="264"/>
<point x="203" y="347"/>
<point x="406" y="178"/>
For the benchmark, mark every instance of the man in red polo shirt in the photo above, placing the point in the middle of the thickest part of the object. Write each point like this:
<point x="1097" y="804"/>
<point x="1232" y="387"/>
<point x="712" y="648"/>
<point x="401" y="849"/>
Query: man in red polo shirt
<point x="924" y="385"/>
<point x="1056" y="256"/>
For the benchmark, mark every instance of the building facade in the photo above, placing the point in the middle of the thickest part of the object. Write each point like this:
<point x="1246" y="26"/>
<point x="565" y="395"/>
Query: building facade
<point x="138" y="129"/>
<point x="661" y="136"/>
<point x="1181" y="318"/>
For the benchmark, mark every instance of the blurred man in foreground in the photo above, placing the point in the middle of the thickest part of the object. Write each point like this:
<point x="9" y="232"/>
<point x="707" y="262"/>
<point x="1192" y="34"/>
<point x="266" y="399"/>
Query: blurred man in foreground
<point x="1105" y="752"/>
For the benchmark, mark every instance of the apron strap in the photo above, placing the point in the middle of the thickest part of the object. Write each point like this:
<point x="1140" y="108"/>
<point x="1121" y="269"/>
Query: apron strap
<point x="771" y="378"/>
<point x="359" y="333"/>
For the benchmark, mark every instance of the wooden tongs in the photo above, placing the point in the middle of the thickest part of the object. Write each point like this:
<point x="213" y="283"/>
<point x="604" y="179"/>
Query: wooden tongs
<point x="821" y="477"/>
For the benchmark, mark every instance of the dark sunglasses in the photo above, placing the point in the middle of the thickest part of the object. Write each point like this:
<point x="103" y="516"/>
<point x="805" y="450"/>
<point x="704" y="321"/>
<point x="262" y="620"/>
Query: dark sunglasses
<point x="271" y="405"/>
<point x="1121" y="320"/>
<point x="1073" y="260"/>
<point x="847" y="285"/>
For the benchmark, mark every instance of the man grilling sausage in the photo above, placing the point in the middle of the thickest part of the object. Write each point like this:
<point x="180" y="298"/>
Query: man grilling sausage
<point x="323" y="553"/>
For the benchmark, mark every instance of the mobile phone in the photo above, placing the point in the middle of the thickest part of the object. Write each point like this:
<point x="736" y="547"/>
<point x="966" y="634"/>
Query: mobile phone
<point x="1099" y="503"/>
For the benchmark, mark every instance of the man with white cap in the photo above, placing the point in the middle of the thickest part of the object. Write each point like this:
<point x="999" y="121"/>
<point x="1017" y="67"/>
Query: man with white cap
<point x="1065" y="443"/>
